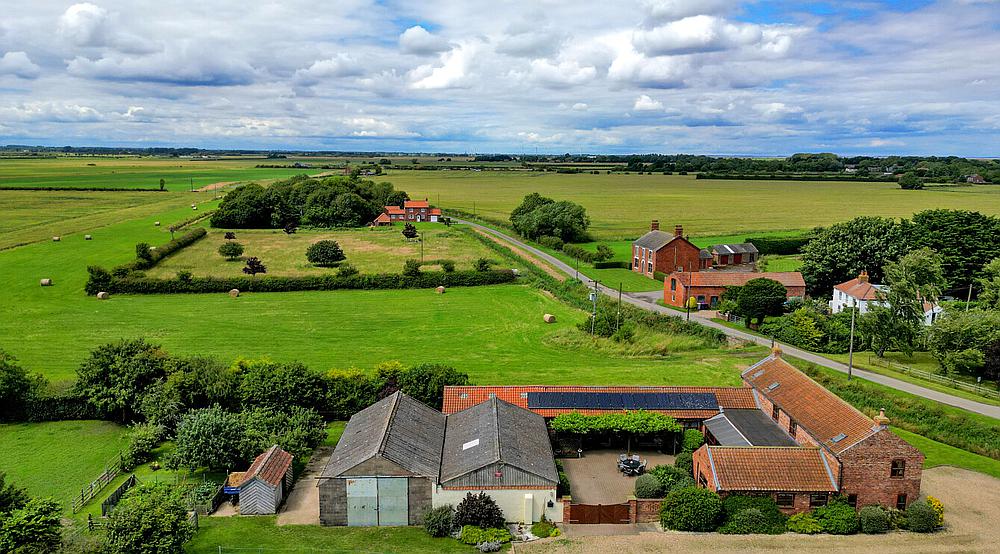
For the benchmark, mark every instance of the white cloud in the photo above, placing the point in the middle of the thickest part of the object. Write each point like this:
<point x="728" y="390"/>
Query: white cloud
<point x="452" y="71"/>
<point x="668" y="10"/>
<point x="646" y="104"/>
<point x="184" y="67"/>
<point x="341" y="65"/>
<point x="529" y="39"/>
<point x="18" y="64"/>
<point x="580" y="107"/>
<point x="371" y="127"/>
<point x="417" y="40"/>
<point x="562" y="75"/>
<point x="59" y="112"/>
<point x="700" y="33"/>
<point x="89" y="25"/>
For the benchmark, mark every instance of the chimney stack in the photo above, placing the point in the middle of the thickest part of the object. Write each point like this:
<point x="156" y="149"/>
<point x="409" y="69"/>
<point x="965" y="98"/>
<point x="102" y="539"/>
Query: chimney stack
<point x="880" y="419"/>
<point x="654" y="225"/>
<point x="863" y="276"/>
<point x="678" y="230"/>
<point x="776" y="351"/>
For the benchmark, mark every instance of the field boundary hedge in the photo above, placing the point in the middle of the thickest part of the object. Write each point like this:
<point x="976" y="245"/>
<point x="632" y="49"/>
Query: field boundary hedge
<point x="781" y="246"/>
<point x="617" y="264"/>
<point x="82" y="189"/>
<point x="785" y="177"/>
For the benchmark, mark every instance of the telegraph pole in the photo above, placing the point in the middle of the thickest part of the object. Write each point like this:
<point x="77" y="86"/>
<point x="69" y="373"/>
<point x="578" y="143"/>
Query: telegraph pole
<point x="850" y="351"/>
<point x="618" y="318"/>
<point x="593" y="314"/>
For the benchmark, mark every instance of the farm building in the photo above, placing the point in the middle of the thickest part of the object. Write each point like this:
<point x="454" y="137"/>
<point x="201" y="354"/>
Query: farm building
<point x="657" y="251"/>
<point x="398" y="458"/>
<point x="411" y="211"/>
<point x="707" y="286"/>
<point x="263" y="487"/>
<point x="862" y="294"/>
<point x="726" y="255"/>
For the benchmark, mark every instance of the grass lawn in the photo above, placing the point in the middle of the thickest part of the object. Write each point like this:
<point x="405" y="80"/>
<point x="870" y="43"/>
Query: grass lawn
<point x="780" y="263"/>
<point x="621" y="206"/>
<point x="247" y="534"/>
<point x="371" y="250"/>
<point x="58" y="458"/>
<point x="940" y="454"/>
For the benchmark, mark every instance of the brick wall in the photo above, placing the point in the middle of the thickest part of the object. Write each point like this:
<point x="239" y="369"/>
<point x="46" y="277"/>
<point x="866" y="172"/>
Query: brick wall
<point x="678" y="253"/>
<point x="866" y="470"/>
<point x="644" y="510"/>
<point x="702" y="468"/>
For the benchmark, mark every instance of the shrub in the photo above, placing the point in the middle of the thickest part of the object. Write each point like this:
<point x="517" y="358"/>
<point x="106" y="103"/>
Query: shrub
<point x="938" y="508"/>
<point x="580" y="253"/>
<point x="18" y="388"/>
<point x="481" y="265"/>
<point x="625" y="333"/>
<point x="150" y="518"/>
<point x="549" y="241"/>
<point x="684" y="461"/>
<point x="837" y="517"/>
<point x="750" y="521"/>
<point x="230" y="235"/>
<point x="325" y="253"/>
<point x="766" y="519"/>
<point x="474" y="535"/>
<point x="33" y="527"/>
<point x="897" y="519"/>
<point x="440" y="521"/>
<point x="672" y="478"/>
<point x="780" y="245"/>
<point x="921" y="517"/>
<point x="448" y="266"/>
<point x="479" y="510"/>
<point x="874" y="520"/>
<point x="142" y="439"/>
<point x="99" y="280"/>
<point x="691" y="509"/>
<point x="604" y="253"/>
<point x="347" y="270"/>
<point x="411" y="268"/>
<point x="648" y="486"/>
<point x="184" y="276"/>
<point x="693" y="439"/>
<point x="542" y="529"/>
<point x="254" y="266"/>
<point x="231" y="250"/>
<point x="409" y="231"/>
<point x="804" y="523"/>
<point x="143" y="252"/>
<point x="268" y="384"/>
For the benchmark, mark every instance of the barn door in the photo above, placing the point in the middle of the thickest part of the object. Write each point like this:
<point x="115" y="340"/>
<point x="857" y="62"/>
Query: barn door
<point x="362" y="502"/>
<point x="393" y="500"/>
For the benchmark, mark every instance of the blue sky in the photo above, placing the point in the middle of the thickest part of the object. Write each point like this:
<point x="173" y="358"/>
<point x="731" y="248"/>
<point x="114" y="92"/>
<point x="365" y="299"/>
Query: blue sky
<point x="692" y="76"/>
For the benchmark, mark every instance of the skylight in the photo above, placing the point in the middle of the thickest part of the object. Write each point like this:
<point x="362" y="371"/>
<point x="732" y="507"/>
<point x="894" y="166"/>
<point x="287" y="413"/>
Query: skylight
<point x="470" y="444"/>
<point x="838" y="438"/>
<point x="758" y="373"/>
<point x="773" y="385"/>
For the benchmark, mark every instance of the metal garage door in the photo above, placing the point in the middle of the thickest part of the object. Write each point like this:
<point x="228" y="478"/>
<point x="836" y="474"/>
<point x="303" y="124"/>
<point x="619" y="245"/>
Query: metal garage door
<point x="362" y="502"/>
<point x="392" y="501"/>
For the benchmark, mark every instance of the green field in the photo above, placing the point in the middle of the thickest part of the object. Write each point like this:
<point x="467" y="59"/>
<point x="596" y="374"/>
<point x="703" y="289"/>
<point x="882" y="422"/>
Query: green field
<point x="58" y="458"/>
<point x="371" y="250"/>
<point x="621" y="206"/>
<point x="940" y="454"/>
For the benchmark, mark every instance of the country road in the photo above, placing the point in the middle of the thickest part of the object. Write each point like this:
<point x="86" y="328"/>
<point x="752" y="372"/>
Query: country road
<point x="639" y="301"/>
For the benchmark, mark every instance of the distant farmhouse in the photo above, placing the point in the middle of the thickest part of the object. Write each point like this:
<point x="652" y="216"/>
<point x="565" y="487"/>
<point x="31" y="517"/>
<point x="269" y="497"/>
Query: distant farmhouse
<point x="863" y="294"/>
<point x="412" y="211"/>
<point x="707" y="287"/>
<point x="657" y="251"/>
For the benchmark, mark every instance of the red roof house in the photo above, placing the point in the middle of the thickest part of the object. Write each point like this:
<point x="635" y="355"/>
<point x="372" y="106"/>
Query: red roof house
<point x="707" y="286"/>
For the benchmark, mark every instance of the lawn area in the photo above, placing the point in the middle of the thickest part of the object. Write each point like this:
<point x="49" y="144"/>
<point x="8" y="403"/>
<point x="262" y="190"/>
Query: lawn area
<point x="940" y="454"/>
<point x="705" y="207"/>
<point x="780" y="263"/>
<point x="58" y="458"/>
<point x="371" y="250"/>
<point x="232" y="535"/>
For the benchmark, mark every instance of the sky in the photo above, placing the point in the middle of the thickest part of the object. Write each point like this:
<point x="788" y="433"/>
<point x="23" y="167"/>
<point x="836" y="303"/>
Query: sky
<point x="516" y="76"/>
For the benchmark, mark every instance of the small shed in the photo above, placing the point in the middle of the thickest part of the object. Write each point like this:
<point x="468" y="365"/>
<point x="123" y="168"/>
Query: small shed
<point x="263" y="487"/>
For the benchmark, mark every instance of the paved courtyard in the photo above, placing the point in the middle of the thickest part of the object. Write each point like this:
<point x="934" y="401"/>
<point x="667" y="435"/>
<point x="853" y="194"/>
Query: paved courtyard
<point x="595" y="479"/>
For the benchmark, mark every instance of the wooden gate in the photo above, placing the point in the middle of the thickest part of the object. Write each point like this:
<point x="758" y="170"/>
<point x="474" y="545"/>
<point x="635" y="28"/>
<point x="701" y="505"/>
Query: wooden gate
<point x="599" y="513"/>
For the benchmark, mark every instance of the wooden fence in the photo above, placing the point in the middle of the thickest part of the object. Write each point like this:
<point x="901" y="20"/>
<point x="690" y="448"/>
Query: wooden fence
<point x="986" y="390"/>
<point x="111" y="470"/>
<point x="113" y="499"/>
<point x="209" y="507"/>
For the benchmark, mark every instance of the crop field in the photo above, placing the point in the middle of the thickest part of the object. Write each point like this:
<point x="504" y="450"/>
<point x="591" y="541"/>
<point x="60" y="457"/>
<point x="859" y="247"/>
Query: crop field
<point x="372" y="250"/>
<point x="621" y="206"/>
<point x="58" y="458"/>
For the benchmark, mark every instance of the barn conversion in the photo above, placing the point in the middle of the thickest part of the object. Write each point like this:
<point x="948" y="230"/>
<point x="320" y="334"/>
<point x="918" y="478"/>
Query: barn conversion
<point x="399" y="458"/>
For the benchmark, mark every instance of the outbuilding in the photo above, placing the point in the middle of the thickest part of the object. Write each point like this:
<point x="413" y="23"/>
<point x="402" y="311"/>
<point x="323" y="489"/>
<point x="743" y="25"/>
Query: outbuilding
<point x="262" y="488"/>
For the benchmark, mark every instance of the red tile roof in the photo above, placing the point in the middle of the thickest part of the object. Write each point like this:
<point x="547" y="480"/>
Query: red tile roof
<point x="818" y="411"/>
<point x="394" y="210"/>
<point x="770" y="468"/>
<point x="435" y="211"/>
<point x="460" y="398"/>
<point x="857" y="288"/>
<point x="383" y="218"/>
<point x="733" y="278"/>
<point x="416" y="204"/>
<point x="270" y="466"/>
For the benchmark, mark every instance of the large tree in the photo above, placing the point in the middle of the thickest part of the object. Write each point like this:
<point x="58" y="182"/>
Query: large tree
<point x="841" y="251"/>
<point x="961" y="331"/>
<point x="150" y="519"/>
<point x="33" y="527"/>
<point x="562" y="219"/>
<point x="964" y="239"/>
<point x="759" y="298"/>
<point x="17" y="388"/>
<point x="989" y="286"/>
<point x="115" y="377"/>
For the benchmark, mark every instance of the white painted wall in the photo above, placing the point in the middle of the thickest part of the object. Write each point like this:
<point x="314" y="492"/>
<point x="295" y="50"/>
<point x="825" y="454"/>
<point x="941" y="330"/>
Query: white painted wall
<point x="511" y="501"/>
<point x="842" y="301"/>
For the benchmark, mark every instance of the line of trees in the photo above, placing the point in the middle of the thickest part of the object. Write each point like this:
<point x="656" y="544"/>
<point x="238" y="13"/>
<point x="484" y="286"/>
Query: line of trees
<point x="539" y="216"/>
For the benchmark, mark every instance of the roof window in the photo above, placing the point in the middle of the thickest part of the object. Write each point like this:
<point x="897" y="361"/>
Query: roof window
<point x="773" y="385"/>
<point x="470" y="444"/>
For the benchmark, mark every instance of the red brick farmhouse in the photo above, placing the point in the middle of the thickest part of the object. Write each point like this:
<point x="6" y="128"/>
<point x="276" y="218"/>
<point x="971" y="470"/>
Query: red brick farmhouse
<point x="707" y="286"/>
<point x="657" y="251"/>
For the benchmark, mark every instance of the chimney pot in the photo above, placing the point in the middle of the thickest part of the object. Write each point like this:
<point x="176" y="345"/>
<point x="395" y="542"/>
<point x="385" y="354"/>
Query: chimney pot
<point x="654" y="225"/>
<point x="679" y="230"/>
<point x="863" y="276"/>
<point x="880" y="419"/>
<point x="776" y="351"/>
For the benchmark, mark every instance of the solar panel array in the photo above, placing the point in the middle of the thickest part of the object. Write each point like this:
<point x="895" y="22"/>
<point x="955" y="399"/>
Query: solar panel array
<point x="624" y="400"/>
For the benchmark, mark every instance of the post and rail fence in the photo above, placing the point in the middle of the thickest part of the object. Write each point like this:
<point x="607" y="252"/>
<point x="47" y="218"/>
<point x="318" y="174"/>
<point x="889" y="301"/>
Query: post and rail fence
<point x="980" y="389"/>
<point x="111" y="470"/>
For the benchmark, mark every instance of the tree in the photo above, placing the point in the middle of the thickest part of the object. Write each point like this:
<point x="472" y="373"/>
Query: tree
<point x="897" y="321"/>
<point x="231" y="250"/>
<point x="963" y="239"/>
<point x="325" y="253"/>
<point x="11" y="497"/>
<point x="163" y="184"/>
<point x="297" y="430"/>
<point x="481" y="264"/>
<point x="426" y="382"/>
<point x="291" y="228"/>
<point x="254" y="266"/>
<point x="841" y="251"/>
<point x="116" y="376"/>
<point x="409" y="231"/>
<point x="563" y="219"/>
<point x="959" y="331"/>
<point x="989" y="286"/>
<point x="230" y="235"/>
<point x="268" y="384"/>
<point x="209" y="437"/>
<point x="18" y="388"/>
<point x="149" y="519"/>
<point x="759" y="298"/>
<point x="34" y="527"/>
<point x="143" y="252"/>
<point x="991" y="362"/>
<point x="910" y="181"/>
<point x="604" y="253"/>
<point x="528" y="205"/>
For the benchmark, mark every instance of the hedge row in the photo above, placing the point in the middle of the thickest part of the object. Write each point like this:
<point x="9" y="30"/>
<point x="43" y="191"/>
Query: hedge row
<point x="101" y="280"/>
<point x="780" y="246"/>
<point x="191" y="220"/>
<point x="83" y="189"/>
<point x="792" y="177"/>
<point x="580" y="253"/>
<point x="163" y="251"/>
<point x="612" y="264"/>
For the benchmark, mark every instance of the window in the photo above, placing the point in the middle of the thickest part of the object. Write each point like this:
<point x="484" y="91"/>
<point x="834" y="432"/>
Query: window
<point x="792" y="427"/>
<point x="649" y="267"/>
<point x="900" y="501"/>
<point x="673" y="284"/>
<point x="701" y="298"/>
<point x="785" y="500"/>
<point x="818" y="499"/>
<point x="852" y="500"/>
<point x="635" y="264"/>
<point x="702" y="482"/>
<point x="898" y="469"/>
<point x="713" y="301"/>
<point x="775" y="412"/>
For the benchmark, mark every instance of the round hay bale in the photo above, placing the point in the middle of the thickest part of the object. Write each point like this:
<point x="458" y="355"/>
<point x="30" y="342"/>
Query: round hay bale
<point x="157" y="223"/>
<point x="235" y="293"/>
<point x="103" y="295"/>
<point x="439" y="290"/>
<point x="515" y="271"/>
<point x="549" y="318"/>
<point x="194" y="207"/>
<point x="88" y="237"/>
<point x="46" y="282"/>
<point x="56" y="239"/>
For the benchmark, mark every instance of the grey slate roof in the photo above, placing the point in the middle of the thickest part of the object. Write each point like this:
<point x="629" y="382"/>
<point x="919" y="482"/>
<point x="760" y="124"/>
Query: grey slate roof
<point x="400" y="429"/>
<point x="738" y="248"/>
<point x="704" y="254"/>
<point x="505" y="433"/>
<point x="654" y="240"/>
<point x="747" y="428"/>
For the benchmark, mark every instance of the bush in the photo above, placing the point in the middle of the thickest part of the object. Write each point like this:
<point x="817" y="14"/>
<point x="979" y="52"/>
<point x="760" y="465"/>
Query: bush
<point x="231" y="250"/>
<point x="693" y="439"/>
<point x="617" y="264"/>
<point x="804" y="523"/>
<point x="142" y="439"/>
<point x="32" y="527"/>
<point x="448" y="266"/>
<point x="938" y="508"/>
<point x="99" y="280"/>
<point x="18" y="389"/>
<point x="685" y="461"/>
<point x="873" y="520"/>
<point x="779" y="245"/>
<point x="146" y="258"/>
<point x="481" y="265"/>
<point x="411" y="268"/>
<point x="115" y="377"/>
<point x="440" y="521"/>
<point x="543" y="528"/>
<point x="691" y="509"/>
<point x="479" y="510"/>
<point x="672" y="478"/>
<point x="921" y="517"/>
<point x="648" y="486"/>
<point x="765" y="519"/>
<point x="474" y="535"/>
<point x="837" y="517"/>
<point x="580" y="253"/>
<point x="143" y="252"/>
<point x="150" y="518"/>
<point x="897" y="519"/>
<point x="549" y="241"/>
<point x="750" y="521"/>
<point x="325" y="253"/>
<point x="347" y="270"/>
